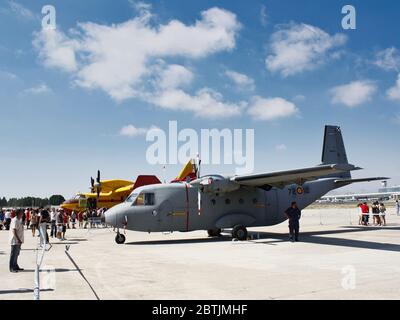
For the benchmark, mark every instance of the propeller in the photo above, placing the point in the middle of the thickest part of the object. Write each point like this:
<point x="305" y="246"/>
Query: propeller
<point x="98" y="185"/>
<point x="92" y="185"/>
<point x="95" y="185"/>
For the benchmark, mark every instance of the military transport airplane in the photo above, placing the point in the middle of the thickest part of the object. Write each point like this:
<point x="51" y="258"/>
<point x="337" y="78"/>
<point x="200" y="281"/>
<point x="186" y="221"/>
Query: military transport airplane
<point x="215" y="202"/>
<point x="108" y="193"/>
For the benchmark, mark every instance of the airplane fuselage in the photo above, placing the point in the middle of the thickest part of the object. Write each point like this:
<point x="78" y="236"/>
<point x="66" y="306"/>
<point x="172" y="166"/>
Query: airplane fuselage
<point x="176" y="207"/>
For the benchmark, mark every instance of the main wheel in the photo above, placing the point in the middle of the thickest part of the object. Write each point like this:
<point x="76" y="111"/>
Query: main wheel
<point x="239" y="232"/>
<point x="214" y="232"/>
<point x="120" y="238"/>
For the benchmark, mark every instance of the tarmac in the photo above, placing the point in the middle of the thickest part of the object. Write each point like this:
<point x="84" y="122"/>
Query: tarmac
<point x="335" y="259"/>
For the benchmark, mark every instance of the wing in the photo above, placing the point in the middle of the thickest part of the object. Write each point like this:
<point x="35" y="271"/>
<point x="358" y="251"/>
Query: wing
<point x="282" y="178"/>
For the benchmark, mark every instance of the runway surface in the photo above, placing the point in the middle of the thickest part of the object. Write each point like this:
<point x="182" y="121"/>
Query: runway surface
<point x="336" y="259"/>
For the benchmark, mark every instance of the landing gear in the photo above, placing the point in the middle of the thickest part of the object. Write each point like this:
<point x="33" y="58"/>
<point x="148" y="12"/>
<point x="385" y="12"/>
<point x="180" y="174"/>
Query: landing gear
<point x="120" y="238"/>
<point x="214" y="232"/>
<point x="239" y="232"/>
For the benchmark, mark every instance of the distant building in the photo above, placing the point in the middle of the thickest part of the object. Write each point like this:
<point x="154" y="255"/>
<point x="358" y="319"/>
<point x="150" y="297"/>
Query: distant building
<point x="394" y="189"/>
<point x="384" y="193"/>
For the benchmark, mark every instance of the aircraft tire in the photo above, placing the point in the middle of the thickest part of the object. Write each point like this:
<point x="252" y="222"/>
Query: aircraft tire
<point x="120" y="238"/>
<point x="239" y="232"/>
<point x="214" y="232"/>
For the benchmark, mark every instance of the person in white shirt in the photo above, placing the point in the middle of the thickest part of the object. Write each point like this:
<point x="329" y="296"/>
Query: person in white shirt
<point x="16" y="240"/>
<point x="397" y="207"/>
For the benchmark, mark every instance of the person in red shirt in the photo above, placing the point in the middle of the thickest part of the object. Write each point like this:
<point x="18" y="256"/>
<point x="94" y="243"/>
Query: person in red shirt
<point x="28" y="217"/>
<point x="365" y="213"/>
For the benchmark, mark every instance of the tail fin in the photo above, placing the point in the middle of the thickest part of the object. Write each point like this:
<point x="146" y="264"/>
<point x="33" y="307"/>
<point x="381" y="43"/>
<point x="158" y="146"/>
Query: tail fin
<point x="333" y="150"/>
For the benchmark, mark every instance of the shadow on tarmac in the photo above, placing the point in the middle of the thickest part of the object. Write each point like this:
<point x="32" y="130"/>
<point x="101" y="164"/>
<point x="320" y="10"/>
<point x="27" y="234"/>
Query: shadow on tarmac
<point x="317" y="237"/>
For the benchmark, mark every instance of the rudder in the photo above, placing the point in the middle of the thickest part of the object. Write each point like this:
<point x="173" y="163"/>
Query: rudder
<point x="333" y="150"/>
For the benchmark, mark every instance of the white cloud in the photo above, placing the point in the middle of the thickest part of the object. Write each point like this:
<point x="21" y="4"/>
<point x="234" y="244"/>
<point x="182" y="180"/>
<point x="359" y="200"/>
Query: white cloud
<point x="132" y="131"/>
<point x="354" y="93"/>
<point x="241" y="80"/>
<point x="299" y="98"/>
<point x="123" y="59"/>
<point x="175" y="76"/>
<point x="19" y="10"/>
<point x="40" y="89"/>
<point x="271" y="108"/>
<point x="281" y="147"/>
<point x="206" y="103"/>
<point x="8" y="75"/>
<point x="263" y="16"/>
<point x="394" y="92"/>
<point x="116" y="58"/>
<point x="56" y="50"/>
<point x="300" y="47"/>
<point x="388" y="59"/>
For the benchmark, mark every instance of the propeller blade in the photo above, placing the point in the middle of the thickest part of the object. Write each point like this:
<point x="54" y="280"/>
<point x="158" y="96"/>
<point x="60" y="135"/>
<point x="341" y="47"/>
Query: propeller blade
<point x="98" y="176"/>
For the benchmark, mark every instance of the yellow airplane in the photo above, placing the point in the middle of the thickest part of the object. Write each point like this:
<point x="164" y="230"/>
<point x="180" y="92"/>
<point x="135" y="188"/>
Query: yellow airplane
<point x="108" y="193"/>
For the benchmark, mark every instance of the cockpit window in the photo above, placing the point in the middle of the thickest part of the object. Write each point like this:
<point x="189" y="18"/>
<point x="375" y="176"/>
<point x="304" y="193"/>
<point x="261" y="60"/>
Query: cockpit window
<point x="132" y="197"/>
<point x="141" y="199"/>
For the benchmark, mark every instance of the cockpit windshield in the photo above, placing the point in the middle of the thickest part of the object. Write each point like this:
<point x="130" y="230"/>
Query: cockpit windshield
<point x="141" y="199"/>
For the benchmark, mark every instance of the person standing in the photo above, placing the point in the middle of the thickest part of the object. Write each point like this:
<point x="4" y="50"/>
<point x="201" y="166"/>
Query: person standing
<point x="73" y="219"/>
<point x="28" y="217"/>
<point x="397" y="205"/>
<point x="1" y="219"/>
<point x="7" y="219"/>
<point x="365" y="213"/>
<point x="293" y="213"/>
<point x="65" y="224"/>
<point x="375" y="213"/>
<point x="16" y="240"/>
<point x="80" y="219"/>
<point x="382" y="214"/>
<point x="53" y="224"/>
<point x="60" y="222"/>
<point x="34" y="222"/>
<point x="44" y="219"/>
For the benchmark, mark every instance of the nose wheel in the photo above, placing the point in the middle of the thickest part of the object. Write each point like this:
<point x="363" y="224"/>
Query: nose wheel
<point x="120" y="238"/>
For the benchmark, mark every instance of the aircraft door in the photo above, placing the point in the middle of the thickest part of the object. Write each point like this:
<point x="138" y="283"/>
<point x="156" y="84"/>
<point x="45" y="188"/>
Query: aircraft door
<point x="164" y="215"/>
<point x="180" y="214"/>
<point x="273" y="213"/>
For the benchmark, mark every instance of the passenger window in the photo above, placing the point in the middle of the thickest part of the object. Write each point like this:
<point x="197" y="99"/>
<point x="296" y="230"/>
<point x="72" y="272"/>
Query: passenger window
<point x="255" y="200"/>
<point x="227" y="201"/>
<point x="213" y="201"/>
<point x="149" y="199"/>
<point x="241" y="201"/>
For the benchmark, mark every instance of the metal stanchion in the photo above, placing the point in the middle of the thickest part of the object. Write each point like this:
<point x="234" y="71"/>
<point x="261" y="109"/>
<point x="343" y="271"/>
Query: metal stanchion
<point x="36" y="290"/>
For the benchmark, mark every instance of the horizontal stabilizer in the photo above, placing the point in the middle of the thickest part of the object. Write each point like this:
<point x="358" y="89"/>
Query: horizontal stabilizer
<point x="343" y="182"/>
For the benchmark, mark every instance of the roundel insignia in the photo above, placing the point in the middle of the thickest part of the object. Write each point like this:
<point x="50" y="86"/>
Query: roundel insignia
<point x="299" y="190"/>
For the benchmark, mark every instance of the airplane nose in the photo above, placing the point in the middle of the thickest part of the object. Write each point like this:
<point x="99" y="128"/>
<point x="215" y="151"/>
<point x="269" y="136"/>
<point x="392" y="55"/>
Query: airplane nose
<point x="110" y="217"/>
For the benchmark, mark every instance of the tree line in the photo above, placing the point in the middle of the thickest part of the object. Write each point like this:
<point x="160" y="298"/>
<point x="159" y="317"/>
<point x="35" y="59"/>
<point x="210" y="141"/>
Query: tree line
<point x="54" y="200"/>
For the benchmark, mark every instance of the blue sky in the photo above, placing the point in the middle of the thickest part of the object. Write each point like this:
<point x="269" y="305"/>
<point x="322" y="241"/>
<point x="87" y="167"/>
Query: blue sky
<point x="282" y="68"/>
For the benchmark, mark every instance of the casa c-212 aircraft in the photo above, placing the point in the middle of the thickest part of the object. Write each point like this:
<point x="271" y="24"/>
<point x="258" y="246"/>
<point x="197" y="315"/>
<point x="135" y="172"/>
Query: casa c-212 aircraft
<point x="215" y="202"/>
